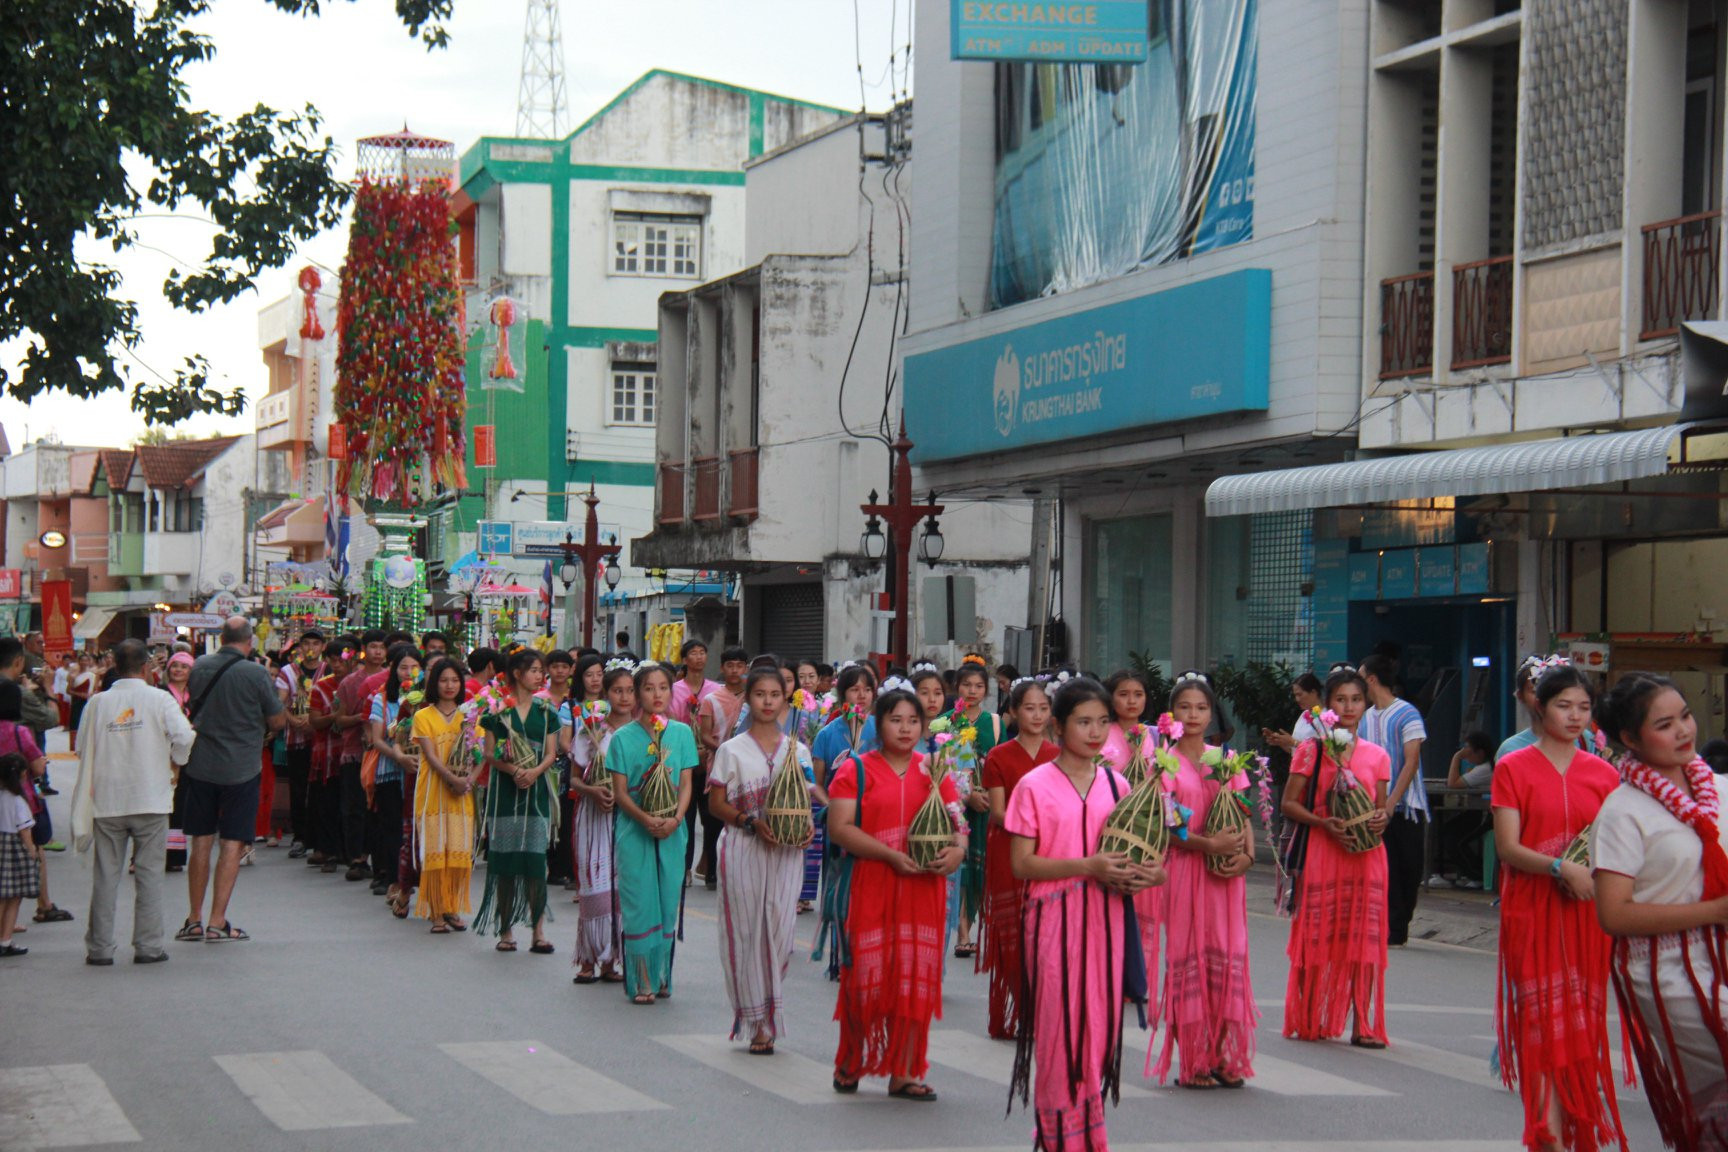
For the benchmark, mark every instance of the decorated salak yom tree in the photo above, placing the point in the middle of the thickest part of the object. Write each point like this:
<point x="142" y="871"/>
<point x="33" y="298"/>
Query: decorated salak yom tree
<point x="399" y="386"/>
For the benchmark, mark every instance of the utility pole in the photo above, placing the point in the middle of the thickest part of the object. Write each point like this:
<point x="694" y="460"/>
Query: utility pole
<point x="902" y="517"/>
<point x="542" y="108"/>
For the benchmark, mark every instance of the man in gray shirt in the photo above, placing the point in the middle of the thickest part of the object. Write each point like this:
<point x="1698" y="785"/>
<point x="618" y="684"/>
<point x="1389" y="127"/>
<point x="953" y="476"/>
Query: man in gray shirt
<point x="234" y="708"/>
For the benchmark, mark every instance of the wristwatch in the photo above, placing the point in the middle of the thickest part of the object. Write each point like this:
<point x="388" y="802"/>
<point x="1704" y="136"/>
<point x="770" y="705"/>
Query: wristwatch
<point x="747" y="825"/>
<point x="1554" y="868"/>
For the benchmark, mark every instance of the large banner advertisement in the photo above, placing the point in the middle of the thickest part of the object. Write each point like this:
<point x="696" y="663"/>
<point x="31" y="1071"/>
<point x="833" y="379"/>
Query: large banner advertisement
<point x="57" y="616"/>
<point x="1105" y="168"/>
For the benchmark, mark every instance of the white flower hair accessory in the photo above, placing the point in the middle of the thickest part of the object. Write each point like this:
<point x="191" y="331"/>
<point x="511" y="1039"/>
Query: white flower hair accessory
<point x="623" y="663"/>
<point x="896" y="684"/>
<point x="1193" y="678"/>
<point x="925" y="666"/>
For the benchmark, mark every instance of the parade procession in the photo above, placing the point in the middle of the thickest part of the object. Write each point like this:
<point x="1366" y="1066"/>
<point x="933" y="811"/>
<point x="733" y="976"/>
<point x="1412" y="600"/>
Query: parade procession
<point x="882" y="575"/>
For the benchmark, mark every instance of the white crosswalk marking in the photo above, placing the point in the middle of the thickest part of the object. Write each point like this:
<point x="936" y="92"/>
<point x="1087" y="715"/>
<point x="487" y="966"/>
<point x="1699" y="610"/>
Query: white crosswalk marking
<point x="1271" y="1073"/>
<point x="59" y="1106"/>
<point x="993" y="1060"/>
<point x="1435" y="1062"/>
<point x="546" y="1080"/>
<point x="788" y="1075"/>
<point x="301" y="1091"/>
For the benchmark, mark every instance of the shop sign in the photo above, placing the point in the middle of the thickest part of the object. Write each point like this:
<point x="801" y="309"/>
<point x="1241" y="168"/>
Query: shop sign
<point x="1398" y="574"/>
<point x="1091" y="32"/>
<point x="11" y="583"/>
<point x="1202" y="349"/>
<point x="1589" y="655"/>
<point x="1436" y="572"/>
<point x="1365" y="576"/>
<point x="57" y="616"/>
<point x="223" y="605"/>
<point x="1473" y="570"/>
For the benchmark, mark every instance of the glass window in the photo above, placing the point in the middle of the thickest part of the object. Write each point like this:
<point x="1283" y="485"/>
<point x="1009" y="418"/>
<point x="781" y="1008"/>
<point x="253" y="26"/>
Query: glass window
<point x="656" y="244"/>
<point x="1128" y="592"/>
<point x="632" y="394"/>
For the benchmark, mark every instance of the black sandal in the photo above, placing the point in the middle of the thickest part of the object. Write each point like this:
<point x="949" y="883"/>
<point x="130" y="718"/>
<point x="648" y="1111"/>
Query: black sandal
<point x="643" y="999"/>
<point x="906" y="1092"/>
<point x="542" y="948"/>
<point x="844" y="1087"/>
<point x="504" y="946"/>
<point x="191" y="930"/>
<point x="762" y="1048"/>
<point x="1367" y="1042"/>
<point x="215" y="935"/>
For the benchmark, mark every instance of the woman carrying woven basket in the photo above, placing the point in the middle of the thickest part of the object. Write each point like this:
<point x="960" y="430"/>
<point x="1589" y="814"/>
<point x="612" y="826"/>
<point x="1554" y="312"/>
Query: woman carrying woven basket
<point x="1338" y="936"/>
<point x="1208" y="1003"/>
<point x="393" y="791"/>
<point x="650" y="761"/>
<point x="521" y="806"/>
<point x="1078" y="928"/>
<point x="599" y="942"/>
<point x="892" y="907"/>
<point x="443" y="802"/>
<point x="760" y="786"/>
<point x="1552" y="1021"/>
<point x="1661" y="863"/>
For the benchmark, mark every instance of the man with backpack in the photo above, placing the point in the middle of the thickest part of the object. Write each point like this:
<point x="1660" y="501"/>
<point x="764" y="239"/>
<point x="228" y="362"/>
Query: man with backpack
<point x="234" y="708"/>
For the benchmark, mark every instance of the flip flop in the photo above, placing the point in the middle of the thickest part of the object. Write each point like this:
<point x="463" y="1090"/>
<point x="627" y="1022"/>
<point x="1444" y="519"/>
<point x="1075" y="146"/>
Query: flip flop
<point x="1225" y="1081"/>
<point x="762" y="1048"/>
<point x="504" y="946"/>
<point x="905" y="1092"/>
<point x="845" y="1087"/>
<point x="1368" y="1043"/>
<point x="642" y="1000"/>
<point x="1202" y="1083"/>
<point x="440" y="929"/>
<point x="612" y="977"/>
<point x="542" y="948"/>
<point x="585" y="978"/>
<point x="457" y="924"/>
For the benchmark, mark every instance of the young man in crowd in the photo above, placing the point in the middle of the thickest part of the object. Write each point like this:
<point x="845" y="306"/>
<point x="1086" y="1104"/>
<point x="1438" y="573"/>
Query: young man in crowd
<point x="353" y="710"/>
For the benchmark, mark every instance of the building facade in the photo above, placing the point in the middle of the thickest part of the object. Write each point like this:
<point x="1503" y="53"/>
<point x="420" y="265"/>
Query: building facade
<point x="777" y="401"/>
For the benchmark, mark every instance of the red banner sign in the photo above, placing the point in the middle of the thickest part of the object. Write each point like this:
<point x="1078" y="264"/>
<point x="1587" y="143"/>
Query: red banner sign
<point x="57" y="616"/>
<point x="11" y="583"/>
<point x="485" y="446"/>
<point x="337" y="447"/>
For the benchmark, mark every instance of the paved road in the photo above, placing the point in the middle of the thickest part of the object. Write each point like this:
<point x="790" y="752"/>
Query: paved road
<point x="340" y="1028"/>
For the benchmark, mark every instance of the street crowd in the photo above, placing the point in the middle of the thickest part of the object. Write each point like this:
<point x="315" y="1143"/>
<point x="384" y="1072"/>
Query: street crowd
<point x="1086" y="847"/>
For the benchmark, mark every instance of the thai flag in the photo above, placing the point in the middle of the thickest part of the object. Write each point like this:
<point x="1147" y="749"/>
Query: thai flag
<point x="546" y="597"/>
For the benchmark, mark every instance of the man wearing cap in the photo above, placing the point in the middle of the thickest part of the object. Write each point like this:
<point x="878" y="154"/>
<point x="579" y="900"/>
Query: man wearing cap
<point x="294" y="686"/>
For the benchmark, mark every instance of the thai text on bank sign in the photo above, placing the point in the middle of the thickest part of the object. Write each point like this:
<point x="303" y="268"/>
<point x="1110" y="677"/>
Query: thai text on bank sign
<point x="1095" y="32"/>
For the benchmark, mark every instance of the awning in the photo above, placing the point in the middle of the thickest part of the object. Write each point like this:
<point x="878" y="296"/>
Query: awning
<point x="1529" y="466"/>
<point x="91" y="624"/>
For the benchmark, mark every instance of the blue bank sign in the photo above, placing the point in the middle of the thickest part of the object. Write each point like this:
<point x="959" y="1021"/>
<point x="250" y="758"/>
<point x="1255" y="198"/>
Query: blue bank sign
<point x="1201" y="349"/>
<point x="1090" y="32"/>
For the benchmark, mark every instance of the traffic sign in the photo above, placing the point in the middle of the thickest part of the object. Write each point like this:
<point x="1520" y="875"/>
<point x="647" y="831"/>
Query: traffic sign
<point x="496" y="537"/>
<point x="221" y="605"/>
<point x="545" y="538"/>
<point x="208" y="620"/>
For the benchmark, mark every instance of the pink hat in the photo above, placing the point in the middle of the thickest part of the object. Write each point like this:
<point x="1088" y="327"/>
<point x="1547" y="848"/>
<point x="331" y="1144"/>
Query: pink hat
<point x="181" y="658"/>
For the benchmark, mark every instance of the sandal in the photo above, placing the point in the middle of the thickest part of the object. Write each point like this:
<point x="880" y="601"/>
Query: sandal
<point x="915" y="1090"/>
<point x="1225" y="1080"/>
<point x="964" y="952"/>
<point x="542" y="948"/>
<point x="191" y="930"/>
<point x="440" y="929"/>
<point x="219" y="934"/>
<point x="585" y="975"/>
<point x="844" y="1087"/>
<point x="762" y="1048"/>
<point x="643" y="999"/>
<point x="53" y="914"/>
<point x="399" y="907"/>
<point x="1367" y="1042"/>
<point x="611" y="976"/>
<point x="457" y="924"/>
<point x="504" y="946"/>
<point x="1204" y="1082"/>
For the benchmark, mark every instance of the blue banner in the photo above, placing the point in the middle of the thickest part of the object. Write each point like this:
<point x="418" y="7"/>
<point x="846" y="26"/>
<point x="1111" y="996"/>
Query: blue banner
<point x="1126" y="365"/>
<point x="1092" y="32"/>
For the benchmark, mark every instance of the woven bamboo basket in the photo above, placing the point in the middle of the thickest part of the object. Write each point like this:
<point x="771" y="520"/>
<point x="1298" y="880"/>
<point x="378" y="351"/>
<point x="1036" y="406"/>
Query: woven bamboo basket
<point x="1136" y="768"/>
<point x="1578" y="852"/>
<point x="659" y="797"/>
<point x="787" y="811"/>
<point x="1136" y="825"/>
<point x="1229" y="813"/>
<point x="1355" y="807"/>
<point x="520" y="753"/>
<point x="932" y="829"/>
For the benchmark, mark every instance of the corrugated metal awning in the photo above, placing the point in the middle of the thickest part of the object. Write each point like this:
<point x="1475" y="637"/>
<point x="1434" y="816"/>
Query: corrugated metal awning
<point x="91" y="623"/>
<point x="1529" y="466"/>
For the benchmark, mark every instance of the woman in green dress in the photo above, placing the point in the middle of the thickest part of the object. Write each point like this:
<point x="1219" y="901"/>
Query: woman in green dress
<point x="521" y="812"/>
<point x="649" y="849"/>
<point x="971" y="685"/>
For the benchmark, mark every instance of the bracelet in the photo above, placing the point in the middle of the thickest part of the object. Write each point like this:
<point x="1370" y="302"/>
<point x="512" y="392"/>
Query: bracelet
<point x="748" y="825"/>
<point x="1554" y="868"/>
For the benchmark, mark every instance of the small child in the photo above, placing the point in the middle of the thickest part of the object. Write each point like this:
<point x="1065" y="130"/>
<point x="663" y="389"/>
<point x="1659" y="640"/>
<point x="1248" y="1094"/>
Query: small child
<point x="20" y="862"/>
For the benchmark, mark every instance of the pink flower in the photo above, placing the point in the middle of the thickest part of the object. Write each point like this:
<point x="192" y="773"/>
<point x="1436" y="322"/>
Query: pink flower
<point x="1239" y="782"/>
<point x="1329" y="718"/>
<point x="1169" y="727"/>
<point x="942" y="738"/>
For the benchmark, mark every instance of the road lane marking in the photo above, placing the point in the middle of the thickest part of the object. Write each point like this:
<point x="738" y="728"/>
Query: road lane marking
<point x="1435" y="1061"/>
<point x="1271" y="1074"/>
<point x="546" y="1080"/>
<point x="303" y="1091"/>
<point x="60" y="1106"/>
<point x="993" y="1060"/>
<point x="788" y="1075"/>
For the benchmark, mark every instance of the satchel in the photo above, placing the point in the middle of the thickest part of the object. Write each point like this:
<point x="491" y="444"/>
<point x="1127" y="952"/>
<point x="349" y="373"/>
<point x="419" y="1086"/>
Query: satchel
<point x="1293" y="853"/>
<point x="1136" y="985"/>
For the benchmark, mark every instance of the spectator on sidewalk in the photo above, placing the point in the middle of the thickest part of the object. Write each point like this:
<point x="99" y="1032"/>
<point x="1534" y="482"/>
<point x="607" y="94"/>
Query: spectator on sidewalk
<point x="37" y="711"/>
<point x="16" y="737"/>
<point x="129" y="740"/>
<point x="234" y="710"/>
<point x="19" y="856"/>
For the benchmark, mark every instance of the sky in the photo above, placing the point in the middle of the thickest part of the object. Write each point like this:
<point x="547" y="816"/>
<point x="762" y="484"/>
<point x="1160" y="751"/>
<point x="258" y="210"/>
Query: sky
<point x="357" y="64"/>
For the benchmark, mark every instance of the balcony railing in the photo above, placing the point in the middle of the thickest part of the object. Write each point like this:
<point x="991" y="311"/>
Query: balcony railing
<point x="741" y="493"/>
<point x="1407" y="325"/>
<point x="707" y="503"/>
<point x="1682" y="272"/>
<point x="671" y="493"/>
<point x="1482" y="312"/>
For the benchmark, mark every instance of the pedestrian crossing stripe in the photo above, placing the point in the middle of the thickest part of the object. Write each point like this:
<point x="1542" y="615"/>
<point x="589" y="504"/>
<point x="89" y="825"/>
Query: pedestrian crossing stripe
<point x="546" y="1080"/>
<point x="60" y="1106"/>
<point x="794" y="1078"/>
<point x="991" y="1060"/>
<point x="302" y="1091"/>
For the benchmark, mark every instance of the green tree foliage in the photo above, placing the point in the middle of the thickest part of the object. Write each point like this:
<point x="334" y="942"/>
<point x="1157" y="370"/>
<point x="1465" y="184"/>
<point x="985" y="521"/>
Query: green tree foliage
<point x="85" y="88"/>
<point x="1258" y="696"/>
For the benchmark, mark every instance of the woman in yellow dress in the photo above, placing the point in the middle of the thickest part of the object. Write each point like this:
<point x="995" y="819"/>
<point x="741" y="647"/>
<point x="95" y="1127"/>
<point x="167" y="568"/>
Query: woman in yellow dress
<point x="443" y="800"/>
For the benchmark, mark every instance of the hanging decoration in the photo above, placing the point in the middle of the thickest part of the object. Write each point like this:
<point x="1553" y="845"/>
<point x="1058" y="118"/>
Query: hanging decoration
<point x="503" y="315"/>
<point x="399" y="387"/>
<point x="395" y="593"/>
<point x="485" y="446"/>
<point x="310" y="282"/>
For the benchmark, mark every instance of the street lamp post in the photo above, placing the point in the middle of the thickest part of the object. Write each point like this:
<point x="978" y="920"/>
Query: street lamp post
<point x="902" y="516"/>
<point x="583" y="558"/>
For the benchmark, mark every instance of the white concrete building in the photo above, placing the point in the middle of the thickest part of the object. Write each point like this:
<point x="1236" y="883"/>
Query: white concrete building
<point x="773" y="402"/>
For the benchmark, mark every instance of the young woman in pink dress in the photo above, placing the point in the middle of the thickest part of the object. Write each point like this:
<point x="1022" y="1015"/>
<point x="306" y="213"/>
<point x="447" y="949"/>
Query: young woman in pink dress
<point x="1076" y="924"/>
<point x="1552" y="1018"/>
<point x="1128" y="702"/>
<point x="1207" y="1007"/>
<point x="1338" y="935"/>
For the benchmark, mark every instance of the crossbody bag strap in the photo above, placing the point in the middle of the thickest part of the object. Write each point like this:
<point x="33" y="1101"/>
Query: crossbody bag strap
<point x="192" y="712"/>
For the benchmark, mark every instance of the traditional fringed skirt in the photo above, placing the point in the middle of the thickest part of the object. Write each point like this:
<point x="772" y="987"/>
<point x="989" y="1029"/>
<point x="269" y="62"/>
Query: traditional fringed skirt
<point x="518" y="827"/>
<point x="891" y="982"/>
<point x="1207" y="1007"/>
<point x="999" y="937"/>
<point x="1338" y="944"/>
<point x="813" y="854"/>
<point x="1673" y="994"/>
<point x="650" y="881"/>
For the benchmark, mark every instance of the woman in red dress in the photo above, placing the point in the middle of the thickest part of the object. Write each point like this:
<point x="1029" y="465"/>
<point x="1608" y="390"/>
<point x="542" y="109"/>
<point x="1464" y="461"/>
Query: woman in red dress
<point x="894" y="910"/>
<point x="1338" y="936"/>
<point x="1029" y="705"/>
<point x="1552" y="1018"/>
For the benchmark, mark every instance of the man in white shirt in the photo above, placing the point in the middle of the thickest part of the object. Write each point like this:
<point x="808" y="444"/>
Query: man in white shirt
<point x="129" y="741"/>
<point x="1396" y="726"/>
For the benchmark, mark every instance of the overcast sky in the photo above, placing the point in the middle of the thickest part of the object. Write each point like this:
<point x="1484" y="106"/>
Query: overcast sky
<point x="367" y="76"/>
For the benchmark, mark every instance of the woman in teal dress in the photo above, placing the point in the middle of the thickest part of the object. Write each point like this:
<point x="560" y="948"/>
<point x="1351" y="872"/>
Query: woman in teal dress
<point x="649" y="850"/>
<point x="971" y="685"/>
<point x="521" y="812"/>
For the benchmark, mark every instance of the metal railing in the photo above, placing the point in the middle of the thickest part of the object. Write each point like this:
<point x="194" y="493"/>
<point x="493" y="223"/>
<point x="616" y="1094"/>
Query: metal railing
<point x="1407" y="325"/>
<point x="1482" y="312"/>
<point x="741" y="492"/>
<point x="707" y="502"/>
<point x="1682" y="272"/>
<point x="671" y="494"/>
